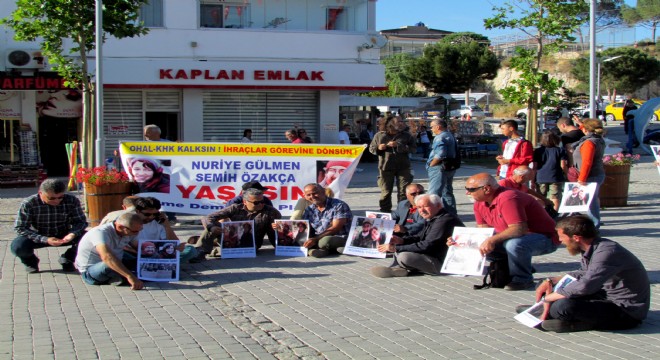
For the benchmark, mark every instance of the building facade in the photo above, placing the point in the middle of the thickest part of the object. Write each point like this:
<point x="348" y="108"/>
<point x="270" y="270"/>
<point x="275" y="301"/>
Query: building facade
<point x="208" y="69"/>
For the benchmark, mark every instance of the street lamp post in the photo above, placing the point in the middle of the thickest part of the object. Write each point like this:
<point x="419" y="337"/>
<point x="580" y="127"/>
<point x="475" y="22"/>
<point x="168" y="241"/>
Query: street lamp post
<point x="598" y="80"/>
<point x="592" y="57"/>
<point x="99" y="85"/>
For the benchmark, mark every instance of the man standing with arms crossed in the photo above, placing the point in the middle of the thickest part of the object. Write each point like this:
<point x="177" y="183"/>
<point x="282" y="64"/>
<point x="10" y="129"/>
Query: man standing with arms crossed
<point x="440" y="180"/>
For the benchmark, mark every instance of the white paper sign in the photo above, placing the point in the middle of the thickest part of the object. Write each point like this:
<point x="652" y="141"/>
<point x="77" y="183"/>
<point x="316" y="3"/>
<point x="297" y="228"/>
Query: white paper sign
<point x="365" y="236"/>
<point x="464" y="258"/>
<point x="237" y="240"/>
<point x="576" y="198"/>
<point x="531" y="316"/>
<point x="290" y="236"/>
<point x="158" y="260"/>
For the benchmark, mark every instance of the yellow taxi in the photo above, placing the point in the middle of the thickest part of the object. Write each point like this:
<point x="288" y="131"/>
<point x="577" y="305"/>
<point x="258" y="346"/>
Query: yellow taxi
<point x="614" y="111"/>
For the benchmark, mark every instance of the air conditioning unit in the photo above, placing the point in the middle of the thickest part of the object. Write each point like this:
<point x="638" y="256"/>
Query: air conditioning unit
<point x="25" y="59"/>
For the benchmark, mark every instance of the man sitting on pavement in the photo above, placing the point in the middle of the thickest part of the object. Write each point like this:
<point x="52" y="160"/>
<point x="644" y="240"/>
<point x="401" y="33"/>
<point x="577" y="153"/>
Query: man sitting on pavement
<point x="426" y="251"/>
<point x="612" y="290"/>
<point x="99" y="258"/>
<point x="252" y="208"/>
<point x="329" y="219"/>
<point x="522" y="175"/>
<point x="48" y="218"/>
<point x="407" y="218"/>
<point x="522" y="227"/>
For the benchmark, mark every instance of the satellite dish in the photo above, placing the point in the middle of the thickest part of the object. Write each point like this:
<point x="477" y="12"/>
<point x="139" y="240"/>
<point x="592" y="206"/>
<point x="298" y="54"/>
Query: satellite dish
<point x="374" y="41"/>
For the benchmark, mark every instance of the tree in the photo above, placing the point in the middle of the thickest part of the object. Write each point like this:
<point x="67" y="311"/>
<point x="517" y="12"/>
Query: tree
<point x="53" y="22"/>
<point x="646" y="13"/>
<point x="608" y="14"/>
<point x="399" y="83"/>
<point x="550" y="23"/>
<point x="455" y="63"/>
<point x="631" y="71"/>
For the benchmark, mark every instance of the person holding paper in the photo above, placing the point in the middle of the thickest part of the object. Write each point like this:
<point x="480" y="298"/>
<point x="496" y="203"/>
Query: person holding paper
<point x="329" y="219"/>
<point x="425" y="251"/>
<point x="407" y="218"/>
<point x="100" y="252"/>
<point x="612" y="290"/>
<point x="522" y="226"/>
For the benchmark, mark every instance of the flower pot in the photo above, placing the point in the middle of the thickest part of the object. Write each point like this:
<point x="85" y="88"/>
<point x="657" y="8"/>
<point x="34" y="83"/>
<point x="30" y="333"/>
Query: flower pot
<point x="103" y="199"/>
<point x="614" y="191"/>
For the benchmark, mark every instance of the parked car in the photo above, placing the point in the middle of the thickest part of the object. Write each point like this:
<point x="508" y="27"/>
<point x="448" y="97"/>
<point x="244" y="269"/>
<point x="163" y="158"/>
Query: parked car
<point x="473" y="110"/>
<point x="615" y="111"/>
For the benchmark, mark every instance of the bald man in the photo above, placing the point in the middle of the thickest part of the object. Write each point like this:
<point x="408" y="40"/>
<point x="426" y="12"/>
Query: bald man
<point x="522" y="227"/>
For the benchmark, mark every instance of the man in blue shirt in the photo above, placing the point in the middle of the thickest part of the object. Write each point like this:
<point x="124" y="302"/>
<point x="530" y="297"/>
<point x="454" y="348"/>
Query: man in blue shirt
<point x="440" y="180"/>
<point x="330" y="220"/>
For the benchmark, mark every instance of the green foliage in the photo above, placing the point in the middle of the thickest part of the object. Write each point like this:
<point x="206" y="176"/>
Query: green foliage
<point x="646" y="13"/>
<point x="550" y="23"/>
<point x="52" y="22"/>
<point x="455" y="64"/>
<point x="399" y="83"/>
<point x="634" y="69"/>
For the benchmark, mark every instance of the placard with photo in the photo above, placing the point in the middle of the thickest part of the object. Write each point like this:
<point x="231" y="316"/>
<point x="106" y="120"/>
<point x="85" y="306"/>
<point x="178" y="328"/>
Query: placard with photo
<point x="365" y="236"/>
<point x="576" y="198"/>
<point x="464" y="258"/>
<point x="378" y="215"/>
<point x="290" y="236"/>
<point x="158" y="260"/>
<point x="238" y="240"/>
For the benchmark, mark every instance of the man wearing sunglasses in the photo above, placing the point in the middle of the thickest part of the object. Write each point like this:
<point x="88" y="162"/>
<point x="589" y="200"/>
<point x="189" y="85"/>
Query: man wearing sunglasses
<point x="48" y="218"/>
<point x="252" y="208"/>
<point x="101" y="251"/>
<point x="407" y="218"/>
<point x="522" y="226"/>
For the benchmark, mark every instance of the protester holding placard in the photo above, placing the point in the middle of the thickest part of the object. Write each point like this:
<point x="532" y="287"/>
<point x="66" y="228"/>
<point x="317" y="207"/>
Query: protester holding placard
<point x="330" y="220"/>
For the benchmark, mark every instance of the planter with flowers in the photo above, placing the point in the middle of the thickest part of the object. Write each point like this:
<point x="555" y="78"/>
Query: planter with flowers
<point x="104" y="191"/>
<point x="614" y="191"/>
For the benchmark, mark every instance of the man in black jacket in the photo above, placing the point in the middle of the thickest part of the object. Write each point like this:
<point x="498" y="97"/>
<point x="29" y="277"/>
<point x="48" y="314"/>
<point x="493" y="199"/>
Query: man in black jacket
<point x="425" y="251"/>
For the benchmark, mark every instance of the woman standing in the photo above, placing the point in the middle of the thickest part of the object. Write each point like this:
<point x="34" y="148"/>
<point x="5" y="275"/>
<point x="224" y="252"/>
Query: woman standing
<point x="588" y="158"/>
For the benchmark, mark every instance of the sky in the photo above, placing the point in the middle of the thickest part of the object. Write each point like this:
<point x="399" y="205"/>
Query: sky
<point x="468" y="15"/>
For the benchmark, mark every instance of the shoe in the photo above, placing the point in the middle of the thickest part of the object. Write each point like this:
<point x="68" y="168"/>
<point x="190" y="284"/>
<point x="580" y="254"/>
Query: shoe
<point x="387" y="272"/>
<point x="201" y="256"/>
<point x="32" y="269"/>
<point x="117" y="280"/>
<point x="340" y="249"/>
<point x="318" y="253"/>
<point x="522" y="308"/>
<point x="515" y="286"/>
<point x="67" y="265"/>
<point x="562" y="326"/>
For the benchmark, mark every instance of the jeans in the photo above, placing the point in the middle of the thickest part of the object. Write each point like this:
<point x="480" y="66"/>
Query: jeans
<point x="594" y="207"/>
<point x="441" y="184"/>
<point x="604" y="314"/>
<point x="386" y="185"/>
<point x="23" y="248"/>
<point x="520" y="251"/>
<point x="99" y="274"/>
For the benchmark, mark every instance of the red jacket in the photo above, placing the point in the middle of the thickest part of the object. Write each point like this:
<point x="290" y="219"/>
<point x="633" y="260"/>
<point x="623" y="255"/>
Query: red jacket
<point x="522" y="155"/>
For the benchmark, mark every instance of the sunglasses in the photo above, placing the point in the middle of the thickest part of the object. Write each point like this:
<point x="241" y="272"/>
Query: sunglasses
<point x="257" y="202"/>
<point x="471" y="190"/>
<point x="149" y="214"/>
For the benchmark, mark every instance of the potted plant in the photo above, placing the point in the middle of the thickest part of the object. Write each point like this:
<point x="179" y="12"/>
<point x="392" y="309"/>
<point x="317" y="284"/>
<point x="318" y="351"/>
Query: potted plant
<point x="614" y="191"/>
<point x="105" y="190"/>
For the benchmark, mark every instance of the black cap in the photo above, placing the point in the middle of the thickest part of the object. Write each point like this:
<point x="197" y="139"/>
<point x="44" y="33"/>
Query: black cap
<point x="253" y="185"/>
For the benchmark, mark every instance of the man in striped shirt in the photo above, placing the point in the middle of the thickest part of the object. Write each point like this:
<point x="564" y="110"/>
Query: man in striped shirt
<point x="49" y="218"/>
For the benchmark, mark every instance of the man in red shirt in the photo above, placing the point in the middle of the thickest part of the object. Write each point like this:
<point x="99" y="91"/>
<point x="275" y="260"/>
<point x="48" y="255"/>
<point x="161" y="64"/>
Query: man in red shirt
<point x="516" y="150"/>
<point x="522" y="227"/>
<point x="520" y="176"/>
<point x="292" y="136"/>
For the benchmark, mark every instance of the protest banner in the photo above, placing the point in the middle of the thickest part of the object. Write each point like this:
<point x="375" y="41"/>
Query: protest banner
<point x="199" y="178"/>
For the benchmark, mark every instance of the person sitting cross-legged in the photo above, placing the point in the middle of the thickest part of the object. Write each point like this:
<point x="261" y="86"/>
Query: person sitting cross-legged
<point x="612" y="290"/>
<point x="426" y="251"/>
<point x="49" y="218"/>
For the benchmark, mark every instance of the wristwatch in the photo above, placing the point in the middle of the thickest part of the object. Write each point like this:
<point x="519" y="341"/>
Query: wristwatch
<point x="550" y="281"/>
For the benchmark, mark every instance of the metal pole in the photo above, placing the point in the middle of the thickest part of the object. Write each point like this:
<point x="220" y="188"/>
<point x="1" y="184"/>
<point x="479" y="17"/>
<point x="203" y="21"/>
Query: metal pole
<point x="592" y="59"/>
<point x="597" y="87"/>
<point x="100" y="151"/>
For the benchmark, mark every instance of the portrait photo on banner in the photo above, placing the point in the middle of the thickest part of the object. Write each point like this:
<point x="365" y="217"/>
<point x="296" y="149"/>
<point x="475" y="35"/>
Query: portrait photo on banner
<point x="291" y="236"/>
<point x="576" y="197"/>
<point x="151" y="175"/>
<point x="237" y="239"/>
<point x="158" y="260"/>
<point x="366" y="234"/>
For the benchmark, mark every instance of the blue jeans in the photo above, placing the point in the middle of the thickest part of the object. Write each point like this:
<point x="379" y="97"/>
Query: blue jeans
<point x="99" y="274"/>
<point x="520" y="251"/>
<point x="594" y="207"/>
<point x="440" y="183"/>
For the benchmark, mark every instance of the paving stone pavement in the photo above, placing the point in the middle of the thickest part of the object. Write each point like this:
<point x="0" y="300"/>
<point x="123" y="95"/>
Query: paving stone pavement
<point x="290" y="308"/>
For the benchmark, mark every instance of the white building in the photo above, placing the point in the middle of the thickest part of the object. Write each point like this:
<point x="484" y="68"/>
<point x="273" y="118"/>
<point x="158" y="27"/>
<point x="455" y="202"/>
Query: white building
<point x="208" y="69"/>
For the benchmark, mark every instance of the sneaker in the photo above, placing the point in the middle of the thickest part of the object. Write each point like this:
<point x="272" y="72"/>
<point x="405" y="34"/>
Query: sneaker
<point x="387" y="272"/>
<point x="67" y="265"/>
<point x="522" y="308"/>
<point x="318" y="253"/>
<point x="516" y="286"/>
<point x="32" y="269"/>
<point x="340" y="249"/>
<point x="117" y="280"/>
<point x="562" y="326"/>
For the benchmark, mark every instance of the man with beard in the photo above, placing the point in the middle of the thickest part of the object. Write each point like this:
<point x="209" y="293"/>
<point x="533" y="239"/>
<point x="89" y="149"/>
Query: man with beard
<point x="425" y="251"/>
<point x="612" y="290"/>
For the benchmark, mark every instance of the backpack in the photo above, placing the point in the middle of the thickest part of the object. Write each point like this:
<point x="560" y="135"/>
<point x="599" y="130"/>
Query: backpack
<point x="497" y="275"/>
<point x="449" y="164"/>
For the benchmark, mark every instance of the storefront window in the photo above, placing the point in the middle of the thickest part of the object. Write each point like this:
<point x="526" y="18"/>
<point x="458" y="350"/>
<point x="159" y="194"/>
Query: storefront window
<point x="223" y="15"/>
<point x="151" y="13"/>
